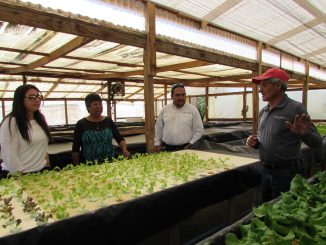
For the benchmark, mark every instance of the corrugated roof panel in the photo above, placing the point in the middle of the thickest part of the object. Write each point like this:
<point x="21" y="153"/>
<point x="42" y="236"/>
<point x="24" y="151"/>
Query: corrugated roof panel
<point x="286" y="46"/>
<point x="118" y="15"/>
<point x="179" y="75"/>
<point x="93" y="48"/>
<point x="8" y="95"/>
<point x="124" y="69"/>
<point x="166" y="59"/>
<point x="15" y="57"/>
<point x="12" y="33"/>
<point x="320" y="5"/>
<point x="92" y="66"/>
<point x="308" y="41"/>
<point x="4" y="66"/>
<point x="126" y="54"/>
<point x="62" y="62"/>
<point x="259" y="21"/>
<point x="130" y="90"/>
<point x="88" y="88"/>
<point x="54" y="40"/>
<point x="198" y="8"/>
<point x="44" y="87"/>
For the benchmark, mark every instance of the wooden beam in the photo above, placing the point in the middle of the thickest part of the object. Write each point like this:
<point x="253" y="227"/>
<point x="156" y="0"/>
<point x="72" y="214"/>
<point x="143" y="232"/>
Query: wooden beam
<point x="221" y="9"/>
<point x="206" y="103"/>
<point x="295" y="31"/>
<point x="141" y="72"/>
<point x="56" y="83"/>
<point x="14" y="12"/>
<point x="255" y="90"/>
<point x="66" y="48"/>
<point x="185" y="65"/>
<point x="132" y="94"/>
<point x="168" y="47"/>
<point x="305" y="87"/>
<point x="149" y="72"/>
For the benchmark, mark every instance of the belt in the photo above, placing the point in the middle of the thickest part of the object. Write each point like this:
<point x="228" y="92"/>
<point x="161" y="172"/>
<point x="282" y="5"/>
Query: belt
<point x="173" y="147"/>
<point x="281" y="164"/>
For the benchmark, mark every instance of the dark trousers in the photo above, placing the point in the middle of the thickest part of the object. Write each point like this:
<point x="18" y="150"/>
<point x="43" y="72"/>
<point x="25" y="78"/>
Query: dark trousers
<point x="277" y="179"/>
<point x="166" y="147"/>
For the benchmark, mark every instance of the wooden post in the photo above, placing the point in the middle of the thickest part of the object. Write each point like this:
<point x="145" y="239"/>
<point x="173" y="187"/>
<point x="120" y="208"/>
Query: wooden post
<point x="244" y="105"/>
<point x="206" y="103"/>
<point x="165" y="94"/>
<point x="24" y="79"/>
<point x="66" y="112"/>
<point x="114" y="110"/>
<point x="3" y="108"/>
<point x="255" y="91"/>
<point x="305" y="86"/>
<point x="109" y="108"/>
<point x="149" y="72"/>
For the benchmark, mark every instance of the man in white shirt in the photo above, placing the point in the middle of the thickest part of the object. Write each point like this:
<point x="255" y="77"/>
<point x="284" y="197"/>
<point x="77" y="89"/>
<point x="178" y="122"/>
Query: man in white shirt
<point x="179" y="124"/>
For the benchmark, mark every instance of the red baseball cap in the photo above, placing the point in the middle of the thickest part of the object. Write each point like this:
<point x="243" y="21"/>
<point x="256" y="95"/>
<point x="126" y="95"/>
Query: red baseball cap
<point x="272" y="73"/>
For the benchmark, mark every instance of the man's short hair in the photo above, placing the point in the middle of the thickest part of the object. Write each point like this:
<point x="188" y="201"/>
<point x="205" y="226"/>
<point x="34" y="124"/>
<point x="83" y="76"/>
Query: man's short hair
<point x="274" y="80"/>
<point x="176" y="85"/>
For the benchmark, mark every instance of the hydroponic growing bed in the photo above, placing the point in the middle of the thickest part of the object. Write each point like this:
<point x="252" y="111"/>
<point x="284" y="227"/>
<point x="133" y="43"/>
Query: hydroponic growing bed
<point x="36" y="199"/>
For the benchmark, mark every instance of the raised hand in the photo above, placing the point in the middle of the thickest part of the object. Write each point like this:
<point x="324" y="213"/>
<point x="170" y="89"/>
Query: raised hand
<point x="300" y="125"/>
<point x="252" y="141"/>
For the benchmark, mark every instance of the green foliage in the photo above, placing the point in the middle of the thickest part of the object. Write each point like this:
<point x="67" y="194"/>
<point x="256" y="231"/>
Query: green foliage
<point x="55" y="195"/>
<point x="299" y="217"/>
<point x="201" y="105"/>
<point x="321" y="129"/>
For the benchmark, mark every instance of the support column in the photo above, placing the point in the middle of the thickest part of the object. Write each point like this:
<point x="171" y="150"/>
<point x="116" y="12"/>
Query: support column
<point x="305" y="86"/>
<point x="149" y="72"/>
<point x="206" y="103"/>
<point x="255" y="90"/>
<point x="244" y="105"/>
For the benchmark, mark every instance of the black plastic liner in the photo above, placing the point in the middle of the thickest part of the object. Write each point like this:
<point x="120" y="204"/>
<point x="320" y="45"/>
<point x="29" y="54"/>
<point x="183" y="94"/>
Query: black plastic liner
<point x="133" y="221"/>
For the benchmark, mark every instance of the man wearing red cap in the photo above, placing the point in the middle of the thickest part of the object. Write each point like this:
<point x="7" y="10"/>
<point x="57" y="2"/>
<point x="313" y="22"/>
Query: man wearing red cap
<point x="283" y="123"/>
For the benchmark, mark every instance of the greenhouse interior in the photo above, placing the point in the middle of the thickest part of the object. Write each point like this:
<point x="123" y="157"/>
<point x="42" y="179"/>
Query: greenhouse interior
<point x="132" y="53"/>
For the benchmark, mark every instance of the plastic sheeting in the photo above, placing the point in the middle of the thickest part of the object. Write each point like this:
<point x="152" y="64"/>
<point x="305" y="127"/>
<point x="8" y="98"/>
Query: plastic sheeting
<point x="133" y="221"/>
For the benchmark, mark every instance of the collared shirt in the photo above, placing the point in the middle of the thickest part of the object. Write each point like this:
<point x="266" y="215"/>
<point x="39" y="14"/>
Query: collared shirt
<point x="277" y="142"/>
<point x="177" y="126"/>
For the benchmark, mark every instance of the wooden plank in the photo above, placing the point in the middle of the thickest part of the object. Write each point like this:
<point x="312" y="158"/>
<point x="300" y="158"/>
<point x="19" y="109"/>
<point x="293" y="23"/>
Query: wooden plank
<point x="244" y="104"/>
<point x="69" y="57"/>
<point x="305" y="87"/>
<point x="132" y="94"/>
<point x="21" y="14"/>
<point x="56" y="83"/>
<point x="165" y="46"/>
<point x="255" y="91"/>
<point x="132" y="131"/>
<point x="149" y="72"/>
<point x="206" y="103"/>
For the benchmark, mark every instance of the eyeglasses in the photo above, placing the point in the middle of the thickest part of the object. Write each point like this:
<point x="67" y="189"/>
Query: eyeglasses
<point x="34" y="97"/>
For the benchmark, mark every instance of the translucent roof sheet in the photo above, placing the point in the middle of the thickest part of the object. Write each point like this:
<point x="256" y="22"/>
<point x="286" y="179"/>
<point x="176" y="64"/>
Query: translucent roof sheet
<point x="54" y="61"/>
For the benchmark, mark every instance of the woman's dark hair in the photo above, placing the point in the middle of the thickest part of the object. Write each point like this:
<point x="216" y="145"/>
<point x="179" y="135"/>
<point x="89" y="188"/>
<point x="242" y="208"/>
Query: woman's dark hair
<point x="90" y="98"/>
<point x="176" y="85"/>
<point x="19" y="113"/>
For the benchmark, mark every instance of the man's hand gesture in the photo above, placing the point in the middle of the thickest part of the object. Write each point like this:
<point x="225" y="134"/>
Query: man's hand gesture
<point x="300" y="125"/>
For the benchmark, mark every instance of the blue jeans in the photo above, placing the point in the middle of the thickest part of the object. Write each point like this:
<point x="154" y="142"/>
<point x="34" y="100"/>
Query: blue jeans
<point x="275" y="181"/>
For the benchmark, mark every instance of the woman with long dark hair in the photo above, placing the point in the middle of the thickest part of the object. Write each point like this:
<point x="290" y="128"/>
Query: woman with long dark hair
<point x="24" y="134"/>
